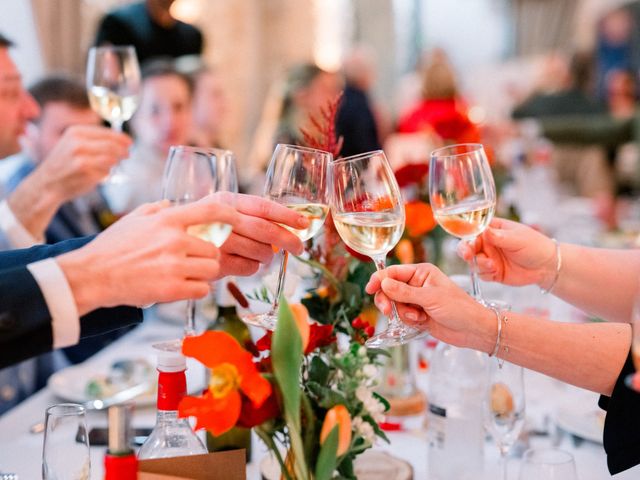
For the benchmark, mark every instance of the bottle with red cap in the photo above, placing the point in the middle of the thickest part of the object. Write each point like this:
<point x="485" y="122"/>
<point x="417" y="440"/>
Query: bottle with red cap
<point x="120" y="462"/>
<point x="172" y="436"/>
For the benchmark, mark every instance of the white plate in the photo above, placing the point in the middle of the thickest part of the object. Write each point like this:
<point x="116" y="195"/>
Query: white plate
<point x="69" y="384"/>
<point x="582" y="420"/>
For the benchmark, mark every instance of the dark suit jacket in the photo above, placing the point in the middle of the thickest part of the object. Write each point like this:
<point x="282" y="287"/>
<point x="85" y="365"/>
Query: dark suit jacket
<point x="25" y="323"/>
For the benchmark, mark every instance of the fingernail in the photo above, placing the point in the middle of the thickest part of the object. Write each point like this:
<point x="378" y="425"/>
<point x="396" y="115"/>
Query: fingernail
<point x="411" y="316"/>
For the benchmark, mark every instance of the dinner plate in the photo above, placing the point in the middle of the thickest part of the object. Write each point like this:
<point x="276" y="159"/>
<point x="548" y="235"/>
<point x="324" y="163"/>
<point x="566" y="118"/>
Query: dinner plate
<point x="70" y="383"/>
<point x="582" y="420"/>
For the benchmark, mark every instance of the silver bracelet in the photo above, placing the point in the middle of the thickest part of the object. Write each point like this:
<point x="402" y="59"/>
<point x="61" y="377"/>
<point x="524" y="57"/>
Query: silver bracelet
<point x="496" y="349"/>
<point x="558" y="267"/>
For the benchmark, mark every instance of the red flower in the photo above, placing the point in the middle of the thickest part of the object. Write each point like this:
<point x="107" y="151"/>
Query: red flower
<point x="319" y="336"/>
<point x="251" y="416"/>
<point x="412" y="174"/>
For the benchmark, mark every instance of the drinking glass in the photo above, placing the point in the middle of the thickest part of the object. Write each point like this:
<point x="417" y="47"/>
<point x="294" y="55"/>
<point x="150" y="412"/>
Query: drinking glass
<point x="504" y="406"/>
<point x="368" y="212"/>
<point x="193" y="173"/>
<point x="65" y="453"/>
<point x="298" y="177"/>
<point x="113" y="86"/>
<point x="548" y="464"/>
<point x="463" y="194"/>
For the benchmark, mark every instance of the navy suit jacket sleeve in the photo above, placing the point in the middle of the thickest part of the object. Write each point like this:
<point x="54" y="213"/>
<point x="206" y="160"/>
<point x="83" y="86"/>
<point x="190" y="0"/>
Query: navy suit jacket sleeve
<point x="25" y="323"/>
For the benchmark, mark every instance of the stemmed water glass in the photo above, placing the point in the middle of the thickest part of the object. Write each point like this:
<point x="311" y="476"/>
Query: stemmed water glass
<point x="368" y="212"/>
<point x="548" y="464"/>
<point x="113" y="86"/>
<point x="65" y="452"/>
<point x="298" y="177"/>
<point x="504" y="406"/>
<point x="463" y="194"/>
<point x="191" y="174"/>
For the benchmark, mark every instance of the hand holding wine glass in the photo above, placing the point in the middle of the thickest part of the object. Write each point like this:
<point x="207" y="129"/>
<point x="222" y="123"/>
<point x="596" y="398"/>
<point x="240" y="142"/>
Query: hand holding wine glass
<point x="462" y="194"/>
<point x="298" y="177"/>
<point x="113" y="86"/>
<point x="368" y="212"/>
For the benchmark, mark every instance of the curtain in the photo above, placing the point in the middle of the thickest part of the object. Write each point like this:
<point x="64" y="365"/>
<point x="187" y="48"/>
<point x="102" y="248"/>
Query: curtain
<point x="543" y="25"/>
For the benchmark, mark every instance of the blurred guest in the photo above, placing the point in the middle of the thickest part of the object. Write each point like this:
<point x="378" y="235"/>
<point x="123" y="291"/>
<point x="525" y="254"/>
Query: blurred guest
<point x="621" y="96"/>
<point x="356" y="121"/>
<point x="163" y="119"/>
<point x="209" y="107"/>
<point x="564" y="91"/>
<point x="441" y="109"/>
<point x="615" y="46"/>
<point x="151" y="28"/>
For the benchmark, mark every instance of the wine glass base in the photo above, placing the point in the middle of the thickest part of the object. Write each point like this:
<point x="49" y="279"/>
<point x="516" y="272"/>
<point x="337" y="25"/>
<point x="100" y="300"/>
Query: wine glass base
<point x="263" y="320"/>
<point x="394" y="336"/>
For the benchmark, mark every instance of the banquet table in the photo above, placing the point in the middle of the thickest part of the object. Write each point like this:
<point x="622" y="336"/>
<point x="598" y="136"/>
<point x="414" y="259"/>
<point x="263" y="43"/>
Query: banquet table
<point x="21" y="451"/>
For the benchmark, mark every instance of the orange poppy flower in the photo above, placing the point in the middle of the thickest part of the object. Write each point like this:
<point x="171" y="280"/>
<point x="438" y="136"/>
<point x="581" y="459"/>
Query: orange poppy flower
<point x="338" y="415"/>
<point x="419" y="218"/>
<point x="404" y="251"/>
<point x="233" y="374"/>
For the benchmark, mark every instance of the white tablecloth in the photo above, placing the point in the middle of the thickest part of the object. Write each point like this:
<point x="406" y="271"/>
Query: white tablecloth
<point x="21" y="451"/>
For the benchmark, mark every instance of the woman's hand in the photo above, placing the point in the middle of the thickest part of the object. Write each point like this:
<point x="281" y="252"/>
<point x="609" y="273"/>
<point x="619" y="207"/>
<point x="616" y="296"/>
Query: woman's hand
<point x="428" y="300"/>
<point x="513" y="254"/>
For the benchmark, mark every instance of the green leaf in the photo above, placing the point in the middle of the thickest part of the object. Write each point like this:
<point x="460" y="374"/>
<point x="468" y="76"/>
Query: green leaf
<point x="382" y="400"/>
<point x="327" y="457"/>
<point x="327" y="397"/>
<point x="376" y="428"/>
<point x="319" y="371"/>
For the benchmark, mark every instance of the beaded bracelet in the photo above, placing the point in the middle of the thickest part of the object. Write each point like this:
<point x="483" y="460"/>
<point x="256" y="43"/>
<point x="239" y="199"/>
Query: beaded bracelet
<point x="496" y="349"/>
<point x="558" y="267"/>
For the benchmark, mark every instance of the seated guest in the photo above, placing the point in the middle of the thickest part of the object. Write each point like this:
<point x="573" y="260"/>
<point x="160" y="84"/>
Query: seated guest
<point x="162" y="119"/>
<point x="209" y="107"/>
<point x="595" y="355"/>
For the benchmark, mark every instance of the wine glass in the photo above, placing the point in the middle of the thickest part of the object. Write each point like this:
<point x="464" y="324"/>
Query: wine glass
<point x="368" y="212"/>
<point x="113" y="86"/>
<point x="504" y="406"/>
<point x="463" y="194"/>
<point x="298" y="177"/>
<point x="548" y="463"/>
<point x="65" y="452"/>
<point x="193" y="173"/>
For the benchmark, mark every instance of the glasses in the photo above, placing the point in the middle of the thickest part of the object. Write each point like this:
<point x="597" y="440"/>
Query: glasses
<point x="192" y="174"/>
<point x="297" y="178"/>
<point x="113" y="86"/>
<point x="368" y="212"/>
<point x="548" y="464"/>
<point x="462" y="194"/>
<point x="65" y="453"/>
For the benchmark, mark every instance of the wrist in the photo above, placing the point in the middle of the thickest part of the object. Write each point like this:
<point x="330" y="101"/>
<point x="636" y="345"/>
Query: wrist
<point x="485" y="331"/>
<point x="34" y="203"/>
<point x="77" y="268"/>
<point x="550" y="271"/>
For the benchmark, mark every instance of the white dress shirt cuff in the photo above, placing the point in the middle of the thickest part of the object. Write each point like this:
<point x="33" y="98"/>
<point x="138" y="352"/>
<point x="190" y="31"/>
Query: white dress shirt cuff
<point x="65" y="321"/>
<point x="15" y="232"/>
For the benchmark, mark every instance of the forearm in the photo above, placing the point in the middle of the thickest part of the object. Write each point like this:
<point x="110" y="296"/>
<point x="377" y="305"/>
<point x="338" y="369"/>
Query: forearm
<point x="600" y="281"/>
<point x="589" y="356"/>
<point x="34" y="204"/>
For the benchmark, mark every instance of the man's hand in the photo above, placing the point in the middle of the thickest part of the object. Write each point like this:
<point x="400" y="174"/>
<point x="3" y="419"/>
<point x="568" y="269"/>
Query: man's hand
<point x="255" y="233"/>
<point x="83" y="156"/>
<point x="147" y="257"/>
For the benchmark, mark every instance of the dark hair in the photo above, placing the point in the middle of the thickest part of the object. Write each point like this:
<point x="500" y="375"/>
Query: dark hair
<point x="5" y="42"/>
<point x="164" y="68"/>
<point x="60" y="88"/>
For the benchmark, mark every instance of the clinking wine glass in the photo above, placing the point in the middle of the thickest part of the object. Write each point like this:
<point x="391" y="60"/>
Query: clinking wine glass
<point x="191" y="174"/>
<point x="368" y="212"/>
<point x="65" y="452"/>
<point x="504" y="406"/>
<point x="113" y="86"/>
<point x="298" y="177"/>
<point x="463" y="194"/>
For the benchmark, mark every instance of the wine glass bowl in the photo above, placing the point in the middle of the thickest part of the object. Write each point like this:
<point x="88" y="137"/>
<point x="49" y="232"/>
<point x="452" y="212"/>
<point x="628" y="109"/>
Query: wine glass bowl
<point x="368" y="212"/>
<point x="462" y="194"/>
<point x="65" y="452"/>
<point x="548" y="464"/>
<point x="298" y="178"/>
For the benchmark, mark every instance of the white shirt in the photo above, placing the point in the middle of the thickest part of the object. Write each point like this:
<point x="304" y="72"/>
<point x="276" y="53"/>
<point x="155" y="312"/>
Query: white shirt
<point x="65" y="321"/>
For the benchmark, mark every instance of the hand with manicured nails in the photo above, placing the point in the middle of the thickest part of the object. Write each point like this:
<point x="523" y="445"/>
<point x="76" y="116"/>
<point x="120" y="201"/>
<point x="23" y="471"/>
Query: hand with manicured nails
<point x="513" y="254"/>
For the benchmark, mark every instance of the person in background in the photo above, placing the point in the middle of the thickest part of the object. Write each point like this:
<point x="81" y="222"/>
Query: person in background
<point x="151" y="28"/>
<point x="621" y="97"/>
<point x="163" y="119"/>
<point x="209" y="107"/>
<point x="356" y="120"/>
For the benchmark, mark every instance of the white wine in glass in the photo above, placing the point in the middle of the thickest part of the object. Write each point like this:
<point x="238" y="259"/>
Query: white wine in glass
<point x="368" y="212"/>
<point x="298" y="178"/>
<point x="462" y="194"/>
<point x="113" y="87"/>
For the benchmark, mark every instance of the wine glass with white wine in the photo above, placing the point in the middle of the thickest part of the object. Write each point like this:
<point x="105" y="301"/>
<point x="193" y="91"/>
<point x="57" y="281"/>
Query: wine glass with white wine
<point x="113" y="86"/>
<point x="298" y="178"/>
<point x="368" y="212"/>
<point x="193" y="173"/>
<point x="462" y="194"/>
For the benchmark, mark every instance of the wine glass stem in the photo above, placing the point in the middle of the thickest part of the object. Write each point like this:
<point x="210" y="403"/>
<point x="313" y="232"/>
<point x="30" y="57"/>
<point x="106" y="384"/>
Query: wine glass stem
<point x="503" y="460"/>
<point x="475" y="284"/>
<point x="190" y="326"/>
<point x="281" y="275"/>
<point x="117" y="125"/>
<point x="394" y="318"/>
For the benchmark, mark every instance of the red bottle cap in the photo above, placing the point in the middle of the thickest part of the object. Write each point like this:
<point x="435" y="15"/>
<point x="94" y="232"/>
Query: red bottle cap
<point x="120" y="467"/>
<point x="172" y="387"/>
